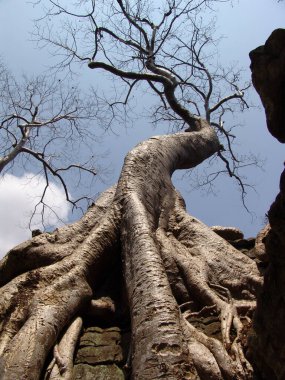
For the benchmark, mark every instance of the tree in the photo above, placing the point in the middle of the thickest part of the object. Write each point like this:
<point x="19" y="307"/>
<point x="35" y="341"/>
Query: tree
<point x="137" y="238"/>
<point x="167" y="49"/>
<point x="42" y="120"/>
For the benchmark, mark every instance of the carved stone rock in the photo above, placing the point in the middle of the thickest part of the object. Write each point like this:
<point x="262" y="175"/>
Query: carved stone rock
<point x="266" y="344"/>
<point x="99" y="355"/>
<point x="259" y="248"/>
<point x="268" y="77"/>
<point x="228" y="233"/>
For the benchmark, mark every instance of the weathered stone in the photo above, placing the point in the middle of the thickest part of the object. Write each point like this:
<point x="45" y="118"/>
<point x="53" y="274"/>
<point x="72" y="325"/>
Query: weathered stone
<point x="101" y="354"/>
<point x="259" y="248"/>
<point x="268" y="77"/>
<point x="100" y="330"/>
<point x="36" y="232"/>
<point x="211" y="325"/>
<point x="266" y="343"/>
<point x="100" y="346"/>
<point x="228" y="233"/>
<point x="95" y="336"/>
<point x="98" y="372"/>
<point x="243" y="244"/>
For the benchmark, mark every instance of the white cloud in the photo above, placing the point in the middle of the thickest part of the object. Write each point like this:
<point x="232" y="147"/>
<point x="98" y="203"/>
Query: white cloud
<point x="18" y="197"/>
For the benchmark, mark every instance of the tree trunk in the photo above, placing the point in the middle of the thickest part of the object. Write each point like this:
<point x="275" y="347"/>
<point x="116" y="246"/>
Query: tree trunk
<point x="178" y="275"/>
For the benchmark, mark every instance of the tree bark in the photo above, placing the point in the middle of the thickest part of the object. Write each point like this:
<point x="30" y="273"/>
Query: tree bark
<point x="176" y="272"/>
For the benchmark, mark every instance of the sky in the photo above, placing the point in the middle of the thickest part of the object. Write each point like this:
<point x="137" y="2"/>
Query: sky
<point x="244" y="26"/>
<point x="18" y="198"/>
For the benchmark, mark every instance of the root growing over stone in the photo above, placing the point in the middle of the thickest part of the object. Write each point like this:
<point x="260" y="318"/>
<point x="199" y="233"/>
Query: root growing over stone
<point x="181" y="278"/>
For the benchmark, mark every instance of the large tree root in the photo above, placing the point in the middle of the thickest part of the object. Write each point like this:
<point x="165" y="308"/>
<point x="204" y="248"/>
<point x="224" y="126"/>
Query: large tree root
<point x="37" y="305"/>
<point x="210" y="269"/>
<point x="61" y="366"/>
<point x="168" y="259"/>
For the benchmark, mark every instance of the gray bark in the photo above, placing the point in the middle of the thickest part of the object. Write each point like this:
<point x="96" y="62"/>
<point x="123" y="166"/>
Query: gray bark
<point x="168" y="258"/>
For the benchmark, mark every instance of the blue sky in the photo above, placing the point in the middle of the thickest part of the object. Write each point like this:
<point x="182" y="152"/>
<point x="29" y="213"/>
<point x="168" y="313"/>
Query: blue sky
<point x="245" y="26"/>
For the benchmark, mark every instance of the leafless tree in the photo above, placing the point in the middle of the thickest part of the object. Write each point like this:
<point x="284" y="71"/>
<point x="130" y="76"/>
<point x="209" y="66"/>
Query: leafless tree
<point x="137" y="257"/>
<point x="41" y="119"/>
<point x="169" y="47"/>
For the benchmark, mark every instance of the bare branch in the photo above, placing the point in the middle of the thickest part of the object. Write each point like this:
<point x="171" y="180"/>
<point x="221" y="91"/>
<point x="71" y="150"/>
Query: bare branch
<point x="35" y="115"/>
<point x="237" y="95"/>
<point x="169" y="46"/>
